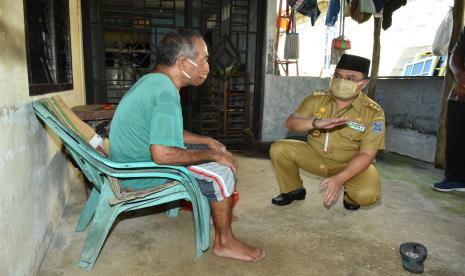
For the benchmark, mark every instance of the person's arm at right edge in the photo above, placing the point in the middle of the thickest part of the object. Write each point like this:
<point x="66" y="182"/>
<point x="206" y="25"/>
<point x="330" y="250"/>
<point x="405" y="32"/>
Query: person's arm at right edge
<point x="456" y="64"/>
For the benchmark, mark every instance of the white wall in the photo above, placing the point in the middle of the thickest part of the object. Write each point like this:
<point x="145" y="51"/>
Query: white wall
<point x="35" y="179"/>
<point x="281" y="98"/>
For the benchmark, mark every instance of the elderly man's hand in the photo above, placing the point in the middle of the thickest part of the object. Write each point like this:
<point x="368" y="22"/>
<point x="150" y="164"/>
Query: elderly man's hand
<point x="329" y="123"/>
<point x="215" y="145"/>
<point x="332" y="186"/>
<point x="227" y="159"/>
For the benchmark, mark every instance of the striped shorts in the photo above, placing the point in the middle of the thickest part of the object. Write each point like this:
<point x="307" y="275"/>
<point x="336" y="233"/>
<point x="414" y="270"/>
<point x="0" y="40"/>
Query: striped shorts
<point x="215" y="180"/>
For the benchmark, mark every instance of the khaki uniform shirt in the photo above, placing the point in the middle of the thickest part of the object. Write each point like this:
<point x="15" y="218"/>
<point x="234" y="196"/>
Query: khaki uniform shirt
<point x="343" y="143"/>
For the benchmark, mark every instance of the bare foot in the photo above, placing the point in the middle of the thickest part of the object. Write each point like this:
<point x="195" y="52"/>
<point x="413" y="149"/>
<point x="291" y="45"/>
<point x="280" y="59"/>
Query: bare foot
<point x="235" y="249"/>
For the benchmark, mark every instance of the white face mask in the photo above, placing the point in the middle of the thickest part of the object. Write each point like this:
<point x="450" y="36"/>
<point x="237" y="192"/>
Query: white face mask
<point x="193" y="63"/>
<point x="343" y="89"/>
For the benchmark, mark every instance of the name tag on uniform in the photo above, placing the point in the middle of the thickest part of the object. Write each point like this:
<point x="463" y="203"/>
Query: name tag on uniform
<point x="356" y="126"/>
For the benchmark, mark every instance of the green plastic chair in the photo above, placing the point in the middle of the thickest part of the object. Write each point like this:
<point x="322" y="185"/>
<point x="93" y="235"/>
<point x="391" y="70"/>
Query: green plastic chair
<point x="108" y="199"/>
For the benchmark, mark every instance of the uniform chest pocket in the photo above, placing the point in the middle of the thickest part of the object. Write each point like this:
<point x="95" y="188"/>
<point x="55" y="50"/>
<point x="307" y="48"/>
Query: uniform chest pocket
<point x="351" y="137"/>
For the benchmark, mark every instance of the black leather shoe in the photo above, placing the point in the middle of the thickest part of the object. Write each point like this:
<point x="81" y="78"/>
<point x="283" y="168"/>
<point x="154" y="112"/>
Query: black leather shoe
<point x="350" y="206"/>
<point x="287" y="198"/>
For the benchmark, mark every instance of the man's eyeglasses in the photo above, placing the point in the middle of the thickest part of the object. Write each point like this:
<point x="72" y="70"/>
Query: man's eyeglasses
<point x="349" y="78"/>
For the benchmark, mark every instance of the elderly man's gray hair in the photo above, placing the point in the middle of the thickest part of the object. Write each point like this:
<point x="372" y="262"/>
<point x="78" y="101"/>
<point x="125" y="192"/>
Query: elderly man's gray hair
<point x="175" y="44"/>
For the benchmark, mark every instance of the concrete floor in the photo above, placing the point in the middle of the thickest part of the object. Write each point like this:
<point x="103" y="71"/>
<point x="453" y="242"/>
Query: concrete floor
<point x="303" y="238"/>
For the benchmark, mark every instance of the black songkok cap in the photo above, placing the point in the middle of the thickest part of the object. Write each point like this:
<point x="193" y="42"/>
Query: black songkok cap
<point x="354" y="63"/>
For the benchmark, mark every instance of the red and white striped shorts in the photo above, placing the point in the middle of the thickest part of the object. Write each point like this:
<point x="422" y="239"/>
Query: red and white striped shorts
<point x="215" y="180"/>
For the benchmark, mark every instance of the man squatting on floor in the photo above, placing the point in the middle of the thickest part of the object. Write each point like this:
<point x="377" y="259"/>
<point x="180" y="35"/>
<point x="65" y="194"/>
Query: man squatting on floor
<point x="345" y="131"/>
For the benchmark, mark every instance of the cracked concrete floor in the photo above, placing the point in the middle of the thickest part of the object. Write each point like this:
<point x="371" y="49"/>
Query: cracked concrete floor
<point x="303" y="238"/>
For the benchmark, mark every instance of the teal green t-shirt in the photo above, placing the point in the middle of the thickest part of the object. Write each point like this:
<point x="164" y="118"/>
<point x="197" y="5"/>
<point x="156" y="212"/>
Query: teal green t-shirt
<point x="149" y="113"/>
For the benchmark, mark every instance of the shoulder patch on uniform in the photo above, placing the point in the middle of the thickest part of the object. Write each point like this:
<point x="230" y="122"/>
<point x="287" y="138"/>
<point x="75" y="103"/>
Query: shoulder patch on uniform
<point x="372" y="104"/>
<point x="321" y="93"/>
<point x="377" y="127"/>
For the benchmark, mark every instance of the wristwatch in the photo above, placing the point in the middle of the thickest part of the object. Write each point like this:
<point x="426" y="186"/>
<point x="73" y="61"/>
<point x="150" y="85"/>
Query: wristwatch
<point x="314" y="122"/>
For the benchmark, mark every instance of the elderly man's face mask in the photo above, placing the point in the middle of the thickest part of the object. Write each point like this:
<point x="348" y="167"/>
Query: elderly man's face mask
<point x="193" y="63"/>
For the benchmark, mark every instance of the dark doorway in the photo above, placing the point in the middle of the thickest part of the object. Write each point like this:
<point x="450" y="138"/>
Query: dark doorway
<point x="120" y="38"/>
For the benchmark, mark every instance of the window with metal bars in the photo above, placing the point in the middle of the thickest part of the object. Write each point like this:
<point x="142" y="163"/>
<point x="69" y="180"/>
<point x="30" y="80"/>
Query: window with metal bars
<point x="48" y="46"/>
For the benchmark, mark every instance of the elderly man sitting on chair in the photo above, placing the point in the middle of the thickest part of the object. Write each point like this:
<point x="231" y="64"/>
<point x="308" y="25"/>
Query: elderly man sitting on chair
<point x="345" y="131"/>
<point x="148" y="125"/>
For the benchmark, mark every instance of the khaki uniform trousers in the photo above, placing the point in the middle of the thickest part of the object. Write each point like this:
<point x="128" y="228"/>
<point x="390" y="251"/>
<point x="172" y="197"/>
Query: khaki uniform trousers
<point x="288" y="156"/>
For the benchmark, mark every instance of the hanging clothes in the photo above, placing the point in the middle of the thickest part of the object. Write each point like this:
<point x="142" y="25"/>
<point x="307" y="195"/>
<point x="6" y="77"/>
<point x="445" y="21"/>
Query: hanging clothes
<point x="356" y="12"/>
<point x="314" y="11"/>
<point x="367" y="6"/>
<point x="307" y="8"/>
<point x="333" y="12"/>
<point x="379" y="5"/>
<point x="389" y="7"/>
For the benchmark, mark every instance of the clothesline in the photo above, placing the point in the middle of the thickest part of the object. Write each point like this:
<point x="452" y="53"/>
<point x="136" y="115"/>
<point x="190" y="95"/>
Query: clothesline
<point x="359" y="10"/>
